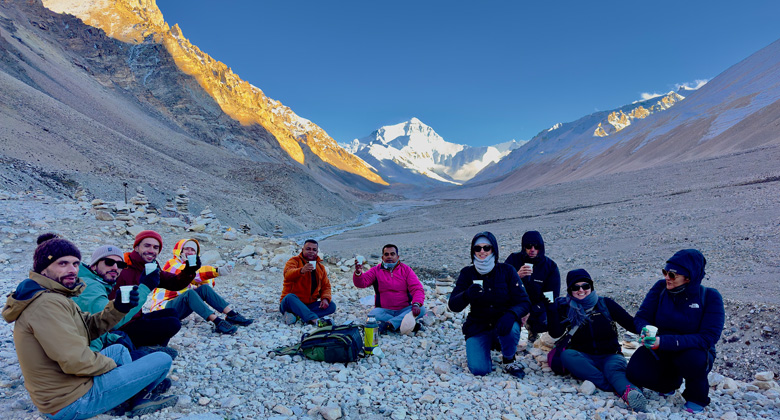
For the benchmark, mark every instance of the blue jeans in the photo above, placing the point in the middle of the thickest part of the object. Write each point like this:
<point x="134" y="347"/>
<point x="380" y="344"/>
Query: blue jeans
<point x="119" y="384"/>
<point x="197" y="300"/>
<point x="606" y="371"/>
<point x="310" y="312"/>
<point x="478" y="349"/>
<point x="394" y="317"/>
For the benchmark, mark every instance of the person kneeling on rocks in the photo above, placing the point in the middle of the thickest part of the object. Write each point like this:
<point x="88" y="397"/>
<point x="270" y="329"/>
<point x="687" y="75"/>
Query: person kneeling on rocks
<point x="397" y="289"/>
<point x="99" y="278"/>
<point x="593" y="353"/>
<point x="65" y="379"/>
<point x="306" y="289"/>
<point x="498" y="302"/>
<point x="153" y="328"/>
<point x="689" y="318"/>
<point x="200" y="294"/>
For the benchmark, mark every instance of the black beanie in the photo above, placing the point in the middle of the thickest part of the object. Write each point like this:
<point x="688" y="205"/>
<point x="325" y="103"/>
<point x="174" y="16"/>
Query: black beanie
<point x="51" y="248"/>
<point x="576" y="276"/>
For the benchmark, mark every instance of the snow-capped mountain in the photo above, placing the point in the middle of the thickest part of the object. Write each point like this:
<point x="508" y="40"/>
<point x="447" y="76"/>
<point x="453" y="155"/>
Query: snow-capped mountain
<point x="413" y="153"/>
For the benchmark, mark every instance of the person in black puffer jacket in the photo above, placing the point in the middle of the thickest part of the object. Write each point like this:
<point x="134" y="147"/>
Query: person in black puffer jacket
<point x="543" y="277"/>
<point x="690" y="320"/>
<point x="594" y="353"/>
<point x="498" y="303"/>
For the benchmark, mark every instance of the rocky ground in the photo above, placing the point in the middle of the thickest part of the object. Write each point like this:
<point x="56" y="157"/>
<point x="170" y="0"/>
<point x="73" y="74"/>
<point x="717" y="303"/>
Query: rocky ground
<point x="422" y="376"/>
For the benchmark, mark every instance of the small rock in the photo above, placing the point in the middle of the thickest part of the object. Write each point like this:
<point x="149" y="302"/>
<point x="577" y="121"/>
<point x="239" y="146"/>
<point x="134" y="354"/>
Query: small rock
<point x="204" y="400"/>
<point x="283" y="410"/>
<point x="330" y="412"/>
<point x="587" y="388"/>
<point x="764" y="376"/>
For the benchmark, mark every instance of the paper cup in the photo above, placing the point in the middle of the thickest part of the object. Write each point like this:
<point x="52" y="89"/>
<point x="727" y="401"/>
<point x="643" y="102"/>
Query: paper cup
<point x="192" y="260"/>
<point x="125" y="291"/>
<point x="550" y="295"/>
<point x="360" y="259"/>
<point x="651" y="330"/>
<point x="479" y="282"/>
<point x="313" y="264"/>
<point x="150" y="267"/>
<point x="531" y="266"/>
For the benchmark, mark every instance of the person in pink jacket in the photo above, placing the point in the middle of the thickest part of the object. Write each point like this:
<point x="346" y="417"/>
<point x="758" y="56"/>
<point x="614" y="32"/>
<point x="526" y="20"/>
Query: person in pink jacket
<point x="398" y="290"/>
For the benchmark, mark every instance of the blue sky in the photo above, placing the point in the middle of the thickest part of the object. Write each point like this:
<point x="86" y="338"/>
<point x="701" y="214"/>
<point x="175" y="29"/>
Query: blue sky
<point x="479" y="73"/>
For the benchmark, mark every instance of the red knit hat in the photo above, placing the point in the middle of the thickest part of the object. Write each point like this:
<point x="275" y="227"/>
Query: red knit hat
<point x="147" y="234"/>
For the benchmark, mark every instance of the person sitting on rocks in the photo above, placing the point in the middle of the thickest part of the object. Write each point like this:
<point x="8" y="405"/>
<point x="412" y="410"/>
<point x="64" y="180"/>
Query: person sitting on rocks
<point x="397" y="290"/>
<point x="543" y="277"/>
<point x="200" y="294"/>
<point x="498" y="302"/>
<point x="593" y="353"/>
<point x="306" y="289"/>
<point x="690" y="319"/>
<point x="153" y="328"/>
<point x="99" y="278"/>
<point x="65" y="379"/>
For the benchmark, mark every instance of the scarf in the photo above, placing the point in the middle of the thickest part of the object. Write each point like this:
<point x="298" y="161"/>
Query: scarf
<point x="578" y="308"/>
<point x="485" y="266"/>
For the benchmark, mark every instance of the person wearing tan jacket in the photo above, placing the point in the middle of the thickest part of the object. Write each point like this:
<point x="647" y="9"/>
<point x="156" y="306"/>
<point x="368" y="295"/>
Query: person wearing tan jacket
<point x="65" y="379"/>
<point x="306" y="289"/>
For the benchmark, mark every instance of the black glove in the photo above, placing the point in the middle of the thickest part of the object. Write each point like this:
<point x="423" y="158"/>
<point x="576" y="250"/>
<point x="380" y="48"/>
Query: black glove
<point x="505" y="323"/>
<point x="474" y="293"/>
<point x="191" y="269"/>
<point x="126" y="307"/>
<point x="151" y="280"/>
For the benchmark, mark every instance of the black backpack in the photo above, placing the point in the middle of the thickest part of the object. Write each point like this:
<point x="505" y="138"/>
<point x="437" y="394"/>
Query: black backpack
<point x="332" y="344"/>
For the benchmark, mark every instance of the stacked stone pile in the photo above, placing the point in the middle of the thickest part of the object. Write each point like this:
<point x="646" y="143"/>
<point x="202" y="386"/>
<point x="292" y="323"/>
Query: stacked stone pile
<point x="182" y="199"/>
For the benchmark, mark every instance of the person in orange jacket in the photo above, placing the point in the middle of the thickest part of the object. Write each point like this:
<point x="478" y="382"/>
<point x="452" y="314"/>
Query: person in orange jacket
<point x="306" y="289"/>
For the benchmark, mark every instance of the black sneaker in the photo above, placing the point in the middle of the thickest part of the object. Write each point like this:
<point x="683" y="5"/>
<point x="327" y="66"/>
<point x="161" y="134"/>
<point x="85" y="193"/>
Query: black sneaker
<point x="515" y="369"/>
<point x="119" y="410"/>
<point x="418" y="327"/>
<point x="146" y="350"/>
<point x="223" y="327"/>
<point x="150" y="403"/>
<point x="239" y="319"/>
<point x="162" y="387"/>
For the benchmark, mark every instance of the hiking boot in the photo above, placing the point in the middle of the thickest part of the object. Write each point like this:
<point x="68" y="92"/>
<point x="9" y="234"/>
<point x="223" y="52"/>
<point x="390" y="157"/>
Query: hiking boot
<point x="418" y="327"/>
<point x="514" y="368"/>
<point x="162" y="387"/>
<point x="150" y="403"/>
<point x="385" y="327"/>
<point x="238" y="319"/>
<point x="146" y="350"/>
<point x="223" y="327"/>
<point x="119" y="410"/>
<point x="692" y="407"/>
<point x="635" y="399"/>
<point x="324" y="322"/>
<point x="532" y="337"/>
<point x="289" y="318"/>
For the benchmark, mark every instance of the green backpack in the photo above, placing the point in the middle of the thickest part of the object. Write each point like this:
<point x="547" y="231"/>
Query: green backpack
<point x="332" y="344"/>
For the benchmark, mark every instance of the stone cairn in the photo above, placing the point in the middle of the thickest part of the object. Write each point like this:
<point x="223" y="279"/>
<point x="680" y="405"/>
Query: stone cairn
<point x="182" y="199"/>
<point x="81" y="195"/>
<point x="445" y="285"/>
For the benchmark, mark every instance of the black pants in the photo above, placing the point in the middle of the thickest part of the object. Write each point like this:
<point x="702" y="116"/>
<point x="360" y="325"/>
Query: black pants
<point x="153" y="328"/>
<point x="666" y="372"/>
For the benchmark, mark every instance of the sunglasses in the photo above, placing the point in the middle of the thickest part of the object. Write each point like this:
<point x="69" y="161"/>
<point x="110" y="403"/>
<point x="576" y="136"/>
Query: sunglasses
<point x="109" y="262"/>
<point x="536" y="246"/>
<point x="672" y="275"/>
<point x="486" y="248"/>
<point x="576" y="287"/>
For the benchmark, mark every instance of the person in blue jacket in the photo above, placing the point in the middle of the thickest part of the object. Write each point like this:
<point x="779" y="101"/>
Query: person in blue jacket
<point x="593" y="353"/>
<point x="498" y="303"/>
<point x="690" y="319"/>
<point x="543" y="277"/>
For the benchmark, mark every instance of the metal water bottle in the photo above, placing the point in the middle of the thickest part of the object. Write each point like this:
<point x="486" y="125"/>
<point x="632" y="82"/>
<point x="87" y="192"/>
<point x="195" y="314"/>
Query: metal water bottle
<point x="370" y="335"/>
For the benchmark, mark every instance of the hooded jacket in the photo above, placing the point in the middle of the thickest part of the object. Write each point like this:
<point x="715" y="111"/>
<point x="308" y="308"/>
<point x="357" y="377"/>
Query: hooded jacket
<point x="503" y="292"/>
<point x="685" y="319"/>
<point x="299" y="284"/>
<point x="205" y="275"/>
<point x="94" y="299"/>
<point x="395" y="289"/>
<point x="545" y="277"/>
<point x="52" y="338"/>
<point x="135" y="268"/>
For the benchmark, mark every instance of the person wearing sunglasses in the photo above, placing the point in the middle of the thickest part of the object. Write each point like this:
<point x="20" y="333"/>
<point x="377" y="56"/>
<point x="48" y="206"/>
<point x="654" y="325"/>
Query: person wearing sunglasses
<point x="593" y="353"/>
<point x="543" y="277"/>
<point x="100" y="277"/>
<point x="690" y="319"/>
<point x="497" y="301"/>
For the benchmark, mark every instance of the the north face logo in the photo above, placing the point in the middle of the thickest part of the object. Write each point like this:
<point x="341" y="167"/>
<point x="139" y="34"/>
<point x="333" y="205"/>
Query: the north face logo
<point x="694" y="306"/>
